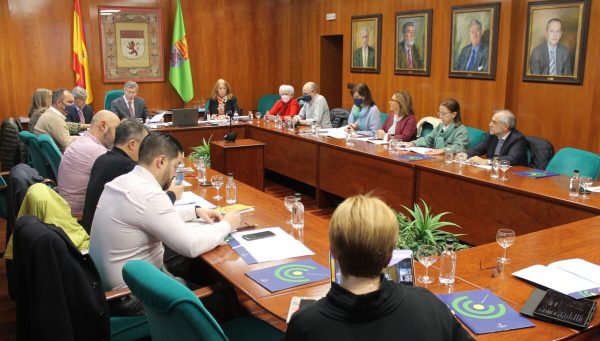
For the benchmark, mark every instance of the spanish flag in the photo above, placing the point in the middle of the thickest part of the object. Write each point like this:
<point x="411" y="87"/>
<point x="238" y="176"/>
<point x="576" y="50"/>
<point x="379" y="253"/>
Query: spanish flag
<point x="80" y="56"/>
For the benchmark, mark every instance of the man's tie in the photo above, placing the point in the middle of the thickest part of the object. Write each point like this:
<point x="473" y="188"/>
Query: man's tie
<point x="498" y="147"/>
<point x="471" y="60"/>
<point x="552" y="62"/>
<point x="410" y="62"/>
<point x="131" y="111"/>
<point x="81" y="117"/>
<point x="365" y="57"/>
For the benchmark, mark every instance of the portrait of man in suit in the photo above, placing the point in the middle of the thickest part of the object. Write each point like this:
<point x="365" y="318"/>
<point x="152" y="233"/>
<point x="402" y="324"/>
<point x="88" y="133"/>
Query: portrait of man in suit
<point x="365" y="43"/>
<point x="364" y="56"/>
<point x="474" y="57"/>
<point x="551" y="57"/>
<point x="409" y="56"/>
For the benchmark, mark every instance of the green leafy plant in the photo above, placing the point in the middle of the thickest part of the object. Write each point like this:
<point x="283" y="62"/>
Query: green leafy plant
<point x="423" y="228"/>
<point x="201" y="151"/>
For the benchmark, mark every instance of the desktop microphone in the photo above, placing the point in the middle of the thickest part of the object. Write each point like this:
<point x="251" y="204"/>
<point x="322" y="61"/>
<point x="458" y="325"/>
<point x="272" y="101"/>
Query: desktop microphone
<point x="230" y="136"/>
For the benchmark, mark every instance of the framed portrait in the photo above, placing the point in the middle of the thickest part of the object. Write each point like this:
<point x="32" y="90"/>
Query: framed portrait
<point x="413" y="43"/>
<point x="474" y="41"/>
<point x="556" y="41"/>
<point x="365" y="45"/>
<point x="131" y="43"/>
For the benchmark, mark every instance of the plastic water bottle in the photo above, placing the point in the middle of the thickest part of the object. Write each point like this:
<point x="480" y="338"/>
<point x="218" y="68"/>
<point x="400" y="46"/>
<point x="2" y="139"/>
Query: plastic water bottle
<point x="298" y="213"/>
<point x="230" y="190"/>
<point x="235" y="115"/>
<point x="574" y="184"/>
<point x="448" y="263"/>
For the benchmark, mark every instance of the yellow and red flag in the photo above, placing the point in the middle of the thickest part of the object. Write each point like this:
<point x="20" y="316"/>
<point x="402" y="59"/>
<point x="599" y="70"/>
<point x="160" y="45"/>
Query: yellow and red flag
<point x="80" y="56"/>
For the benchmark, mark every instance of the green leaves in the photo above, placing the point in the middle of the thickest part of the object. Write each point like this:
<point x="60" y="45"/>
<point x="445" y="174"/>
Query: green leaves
<point x="423" y="228"/>
<point x="201" y="151"/>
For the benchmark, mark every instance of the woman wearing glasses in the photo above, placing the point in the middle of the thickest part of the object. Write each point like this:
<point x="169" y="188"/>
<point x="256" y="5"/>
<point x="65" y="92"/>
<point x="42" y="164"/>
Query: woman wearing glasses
<point x="451" y="133"/>
<point x="400" y="123"/>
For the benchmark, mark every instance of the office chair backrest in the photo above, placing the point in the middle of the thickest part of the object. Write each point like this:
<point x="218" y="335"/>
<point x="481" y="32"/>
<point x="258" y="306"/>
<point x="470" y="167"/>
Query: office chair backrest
<point x="539" y="152"/>
<point x="110" y="96"/>
<point x="174" y="312"/>
<point x="51" y="152"/>
<point x="383" y="116"/>
<point x="266" y="102"/>
<point x="475" y="136"/>
<point x="36" y="155"/>
<point x="568" y="159"/>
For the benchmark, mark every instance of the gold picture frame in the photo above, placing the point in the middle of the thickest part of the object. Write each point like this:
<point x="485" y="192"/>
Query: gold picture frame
<point x="366" y="30"/>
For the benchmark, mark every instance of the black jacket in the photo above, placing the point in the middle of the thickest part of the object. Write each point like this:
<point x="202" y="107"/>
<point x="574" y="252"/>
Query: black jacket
<point x="514" y="148"/>
<point x="394" y="312"/>
<point x="60" y="296"/>
<point x="73" y="116"/>
<point x="12" y="150"/>
<point x="230" y="106"/>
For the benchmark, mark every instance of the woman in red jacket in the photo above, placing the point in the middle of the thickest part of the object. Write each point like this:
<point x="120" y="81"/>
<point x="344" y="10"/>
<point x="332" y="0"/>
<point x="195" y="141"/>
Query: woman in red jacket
<point x="401" y="121"/>
<point x="287" y="106"/>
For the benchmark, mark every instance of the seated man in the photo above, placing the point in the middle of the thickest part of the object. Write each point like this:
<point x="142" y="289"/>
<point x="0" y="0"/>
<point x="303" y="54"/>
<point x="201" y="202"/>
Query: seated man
<point x="53" y="121"/>
<point x="504" y="141"/>
<point x="81" y="113"/>
<point x="363" y="233"/>
<point x="134" y="217"/>
<point x="130" y="106"/>
<point x="315" y="109"/>
<point x="77" y="160"/>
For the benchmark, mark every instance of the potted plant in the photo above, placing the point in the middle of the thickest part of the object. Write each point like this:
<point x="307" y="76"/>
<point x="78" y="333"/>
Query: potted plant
<point x="201" y="151"/>
<point x="423" y="228"/>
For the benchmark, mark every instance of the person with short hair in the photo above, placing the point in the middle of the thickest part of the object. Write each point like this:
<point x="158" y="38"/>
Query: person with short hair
<point x="504" y="141"/>
<point x="40" y="102"/>
<point x="364" y="116"/>
<point x="408" y="53"/>
<point x="363" y="233"/>
<point x="364" y="56"/>
<point x="450" y="133"/>
<point x="400" y="123"/>
<point x="315" y="109"/>
<point x="81" y="113"/>
<point x="78" y="158"/>
<point x="474" y="57"/>
<point x="286" y="106"/>
<point x="551" y="57"/>
<point x="222" y="103"/>
<point x="53" y="121"/>
<point x="130" y="105"/>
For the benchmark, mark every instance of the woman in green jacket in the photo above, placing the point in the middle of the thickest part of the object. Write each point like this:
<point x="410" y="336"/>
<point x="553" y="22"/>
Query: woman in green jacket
<point x="451" y="133"/>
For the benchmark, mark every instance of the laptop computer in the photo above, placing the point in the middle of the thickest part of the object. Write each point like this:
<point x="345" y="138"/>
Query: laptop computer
<point x="185" y="117"/>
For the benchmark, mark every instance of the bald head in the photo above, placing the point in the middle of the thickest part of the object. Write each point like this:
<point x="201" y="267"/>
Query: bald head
<point x="502" y="122"/>
<point x="310" y="88"/>
<point x="103" y="127"/>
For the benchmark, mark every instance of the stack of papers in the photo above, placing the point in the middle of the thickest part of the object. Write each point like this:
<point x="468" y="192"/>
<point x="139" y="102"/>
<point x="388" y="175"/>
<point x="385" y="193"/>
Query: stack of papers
<point x="337" y="133"/>
<point x="418" y="150"/>
<point x="190" y="198"/>
<point x="236" y="208"/>
<point x="280" y="246"/>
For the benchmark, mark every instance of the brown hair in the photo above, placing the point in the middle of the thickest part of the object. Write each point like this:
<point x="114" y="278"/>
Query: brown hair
<point x="452" y="105"/>
<point x="404" y="101"/>
<point x="363" y="90"/>
<point x="363" y="232"/>
<point x="215" y="90"/>
<point x="41" y="99"/>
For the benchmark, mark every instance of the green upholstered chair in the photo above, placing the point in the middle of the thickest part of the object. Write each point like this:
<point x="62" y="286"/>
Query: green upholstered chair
<point x="426" y="129"/>
<point x="175" y="313"/>
<point x="36" y="155"/>
<point x="51" y="152"/>
<point x="266" y="102"/>
<point x="566" y="160"/>
<point x="475" y="136"/>
<point x="110" y="96"/>
<point x="383" y="116"/>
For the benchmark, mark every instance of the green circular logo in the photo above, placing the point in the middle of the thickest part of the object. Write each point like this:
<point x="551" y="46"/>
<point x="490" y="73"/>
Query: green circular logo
<point x="465" y="306"/>
<point x="293" y="273"/>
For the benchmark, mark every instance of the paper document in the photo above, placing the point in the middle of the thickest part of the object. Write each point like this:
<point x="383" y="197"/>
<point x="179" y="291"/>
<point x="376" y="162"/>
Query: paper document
<point x="594" y="189"/>
<point x="574" y="277"/>
<point x="488" y="167"/>
<point x="337" y="133"/>
<point x="191" y="198"/>
<point x="158" y="117"/>
<point x="280" y="246"/>
<point x="186" y="184"/>
<point x="377" y="141"/>
<point x="418" y="150"/>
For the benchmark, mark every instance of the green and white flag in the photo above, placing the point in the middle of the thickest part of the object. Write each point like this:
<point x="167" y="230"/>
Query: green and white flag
<point x="180" y="73"/>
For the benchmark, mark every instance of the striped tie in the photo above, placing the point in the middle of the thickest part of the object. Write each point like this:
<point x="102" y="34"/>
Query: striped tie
<point x="552" y="62"/>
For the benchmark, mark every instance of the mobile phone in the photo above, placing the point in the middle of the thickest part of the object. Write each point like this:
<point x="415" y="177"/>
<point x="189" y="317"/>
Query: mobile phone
<point x="179" y="178"/>
<point x="401" y="268"/>
<point x="258" y="235"/>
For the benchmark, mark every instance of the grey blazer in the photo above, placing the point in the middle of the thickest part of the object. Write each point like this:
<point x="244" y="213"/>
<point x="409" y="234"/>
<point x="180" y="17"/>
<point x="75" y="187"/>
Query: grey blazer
<point x="119" y="107"/>
<point x="539" y="63"/>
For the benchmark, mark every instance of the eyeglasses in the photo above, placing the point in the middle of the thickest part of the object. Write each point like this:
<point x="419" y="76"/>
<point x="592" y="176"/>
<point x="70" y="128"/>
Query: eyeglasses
<point x="497" y="269"/>
<point x="394" y="100"/>
<point x="443" y="113"/>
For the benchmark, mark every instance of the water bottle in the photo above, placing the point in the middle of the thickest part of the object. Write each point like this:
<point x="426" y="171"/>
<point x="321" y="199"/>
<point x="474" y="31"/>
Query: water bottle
<point x="298" y="213"/>
<point x="235" y="115"/>
<point x="495" y="168"/>
<point x="448" y="263"/>
<point x="230" y="190"/>
<point x="574" y="184"/>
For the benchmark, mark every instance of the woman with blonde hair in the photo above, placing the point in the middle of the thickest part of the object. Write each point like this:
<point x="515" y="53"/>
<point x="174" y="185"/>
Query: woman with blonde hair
<point x="400" y="123"/>
<point x="40" y="102"/>
<point x="363" y="233"/>
<point x="222" y="102"/>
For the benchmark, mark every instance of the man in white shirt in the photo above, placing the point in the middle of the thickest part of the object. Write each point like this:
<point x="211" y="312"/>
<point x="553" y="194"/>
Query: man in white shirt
<point x="134" y="216"/>
<point x="315" y="109"/>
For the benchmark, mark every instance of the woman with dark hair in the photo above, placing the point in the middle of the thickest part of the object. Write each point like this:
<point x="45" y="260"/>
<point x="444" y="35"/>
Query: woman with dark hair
<point x="221" y="102"/>
<point x="363" y="233"/>
<point x="450" y="133"/>
<point x="400" y="123"/>
<point x="364" y="115"/>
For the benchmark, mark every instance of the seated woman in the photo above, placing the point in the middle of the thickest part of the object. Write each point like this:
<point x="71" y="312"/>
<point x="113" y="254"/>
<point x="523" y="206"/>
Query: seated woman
<point x="363" y="233"/>
<point x="364" y="115"/>
<point x="287" y="106"/>
<point x="400" y="123"/>
<point x="40" y="102"/>
<point x="451" y="133"/>
<point x="221" y="102"/>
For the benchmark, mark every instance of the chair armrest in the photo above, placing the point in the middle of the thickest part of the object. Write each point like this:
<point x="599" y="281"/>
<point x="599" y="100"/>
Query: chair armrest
<point x="209" y="290"/>
<point x="111" y="295"/>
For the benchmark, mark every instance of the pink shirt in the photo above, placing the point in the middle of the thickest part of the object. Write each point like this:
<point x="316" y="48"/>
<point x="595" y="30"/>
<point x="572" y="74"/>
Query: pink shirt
<point x="75" y="167"/>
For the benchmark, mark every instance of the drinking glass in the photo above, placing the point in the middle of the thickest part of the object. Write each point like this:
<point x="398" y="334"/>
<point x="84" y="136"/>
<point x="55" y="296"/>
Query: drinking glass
<point x="200" y="164"/>
<point x="461" y="156"/>
<point x="427" y="255"/>
<point x="505" y="238"/>
<point x="393" y="146"/>
<point x="495" y="165"/>
<point x="217" y="182"/>
<point x="585" y="182"/>
<point x="448" y="156"/>
<point x="288" y="201"/>
<point x="504" y="166"/>
<point x="350" y="138"/>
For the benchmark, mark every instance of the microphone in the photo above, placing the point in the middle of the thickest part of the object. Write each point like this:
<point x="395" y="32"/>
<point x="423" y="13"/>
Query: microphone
<point x="230" y="136"/>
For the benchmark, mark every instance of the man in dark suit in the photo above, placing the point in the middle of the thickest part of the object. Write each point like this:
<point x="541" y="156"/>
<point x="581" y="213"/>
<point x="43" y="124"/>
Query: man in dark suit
<point x="550" y="57"/>
<point x="408" y="53"/>
<point x="474" y="57"/>
<point x="504" y="141"/>
<point x="129" y="106"/>
<point x="365" y="55"/>
<point x="81" y="113"/>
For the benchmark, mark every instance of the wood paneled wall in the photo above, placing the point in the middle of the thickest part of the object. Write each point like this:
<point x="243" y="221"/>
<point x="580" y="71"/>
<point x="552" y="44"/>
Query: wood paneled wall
<point x="256" y="45"/>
